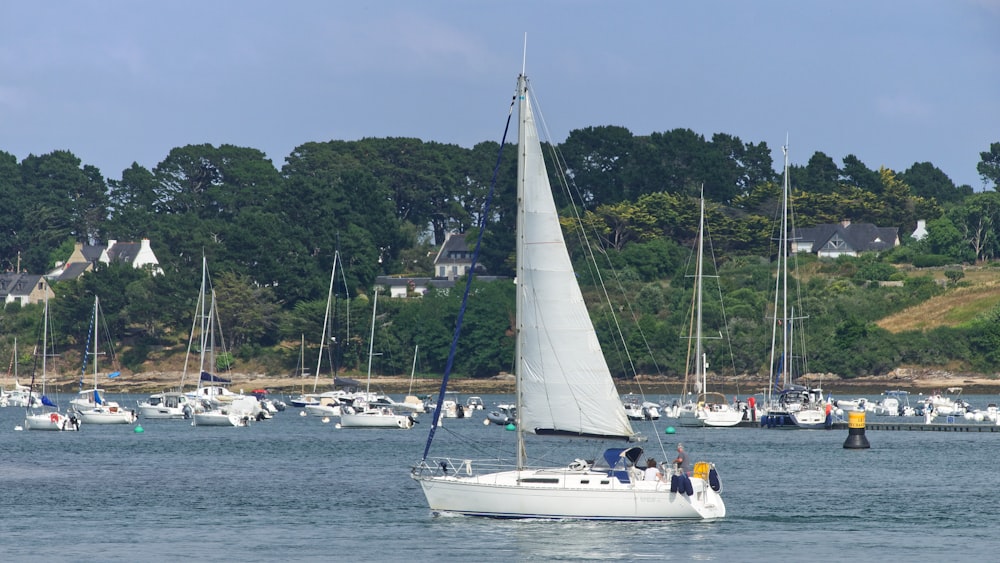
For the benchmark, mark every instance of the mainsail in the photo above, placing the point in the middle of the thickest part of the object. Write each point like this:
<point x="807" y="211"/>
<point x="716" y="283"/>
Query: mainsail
<point x="565" y="386"/>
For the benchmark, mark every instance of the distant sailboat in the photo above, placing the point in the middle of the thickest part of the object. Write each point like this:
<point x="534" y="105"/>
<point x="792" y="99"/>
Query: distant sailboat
<point x="788" y="404"/>
<point x="92" y="405"/>
<point x="564" y="388"/>
<point x="46" y="416"/>
<point x="366" y="415"/>
<point x="710" y="408"/>
<point x="215" y="404"/>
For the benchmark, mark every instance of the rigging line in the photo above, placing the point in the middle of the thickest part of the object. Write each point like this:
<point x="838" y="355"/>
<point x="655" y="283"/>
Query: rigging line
<point x="468" y="280"/>
<point x="110" y="347"/>
<point x="592" y="260"/>
<point x="86" y="349"/>
<point x="722" y="306"/>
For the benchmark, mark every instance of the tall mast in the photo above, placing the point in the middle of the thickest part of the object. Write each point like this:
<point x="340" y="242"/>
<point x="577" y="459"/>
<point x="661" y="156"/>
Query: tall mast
<point x="784" y="276"/>
<point x="96" y="332"/>
<point x="522" y="96"/>
<point x="700" y="370"/>
<point x="371" y="346"/>
<point x="45" y="345"/>
<point x="326" y="319"/>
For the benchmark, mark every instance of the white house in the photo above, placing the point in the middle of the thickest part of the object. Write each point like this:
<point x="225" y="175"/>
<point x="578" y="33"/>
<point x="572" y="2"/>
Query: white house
<point x="86" y="256"/>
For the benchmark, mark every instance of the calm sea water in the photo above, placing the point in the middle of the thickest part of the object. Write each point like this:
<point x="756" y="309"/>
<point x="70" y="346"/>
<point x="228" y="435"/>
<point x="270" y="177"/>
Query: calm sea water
<point x="294" y="488"/>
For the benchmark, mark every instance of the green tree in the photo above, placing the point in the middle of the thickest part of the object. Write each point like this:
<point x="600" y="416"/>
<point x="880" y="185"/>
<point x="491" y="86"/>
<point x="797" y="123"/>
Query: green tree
<point x="132" y="200"/>
<point x="944" y="238"/>
<point x="928" y="181"/>
<point x="597" y="159"/>
<point x="989" y="165"/>
<point x="977" y="219"/>
<point x="63" y="200"/>
<point x="12" y="213"/>
<point x="247" y="312"/>
<point x="821" y="174"/>
<point x="856" y="174"/>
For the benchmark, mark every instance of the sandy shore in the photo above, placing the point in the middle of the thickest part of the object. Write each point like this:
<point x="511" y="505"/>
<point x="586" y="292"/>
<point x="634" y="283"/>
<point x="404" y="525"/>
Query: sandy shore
<point x="908" y="379"/>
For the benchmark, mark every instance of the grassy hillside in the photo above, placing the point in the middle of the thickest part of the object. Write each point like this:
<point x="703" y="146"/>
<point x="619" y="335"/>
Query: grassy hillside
<point x="977" y="292"/>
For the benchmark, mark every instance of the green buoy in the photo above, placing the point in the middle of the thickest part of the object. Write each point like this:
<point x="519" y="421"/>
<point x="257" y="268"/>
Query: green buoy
<point x="138" y="429"/>
<point x="669" y="430"/>
<point x="511" y="427"/>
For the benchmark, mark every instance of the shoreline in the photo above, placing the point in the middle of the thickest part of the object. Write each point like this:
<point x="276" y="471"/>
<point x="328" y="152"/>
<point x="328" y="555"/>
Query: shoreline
<point x="916" y="381"/>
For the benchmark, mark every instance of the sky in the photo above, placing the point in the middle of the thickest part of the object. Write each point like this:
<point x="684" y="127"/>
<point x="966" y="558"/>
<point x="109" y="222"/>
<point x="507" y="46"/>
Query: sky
<point x="122" y="81"/>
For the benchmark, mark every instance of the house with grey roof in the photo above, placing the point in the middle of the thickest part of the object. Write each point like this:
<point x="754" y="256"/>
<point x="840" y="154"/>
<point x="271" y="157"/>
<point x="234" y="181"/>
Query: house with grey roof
<point x="24" y="288"/>
<point x="86" y="256"/>
<point x="844" y="239"/>
<point x="453" y="260"/>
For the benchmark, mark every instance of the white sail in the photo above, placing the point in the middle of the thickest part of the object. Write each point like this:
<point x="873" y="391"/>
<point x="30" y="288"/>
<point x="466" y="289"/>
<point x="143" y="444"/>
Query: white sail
<point x="565" y="384"/>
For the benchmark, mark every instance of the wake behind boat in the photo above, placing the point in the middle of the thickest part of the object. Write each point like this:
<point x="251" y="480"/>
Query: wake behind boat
<point x="564" y="388"/>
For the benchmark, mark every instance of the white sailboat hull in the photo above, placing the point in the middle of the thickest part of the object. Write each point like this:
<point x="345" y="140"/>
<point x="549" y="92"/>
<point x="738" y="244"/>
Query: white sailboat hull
<point x="809" y="418"/>
<point x="49" y="421"/>
<point x="161" y="412"/>
<point x="322" y="410"/>
<point x="563" y="493"/>
<point x="219" y="418"/>
<point x="694" y="417"/>
<point x="109" y="415"/>
<point x="375" y="420"/>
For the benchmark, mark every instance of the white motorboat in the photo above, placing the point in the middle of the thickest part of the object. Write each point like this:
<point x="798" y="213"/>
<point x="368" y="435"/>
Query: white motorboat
<point x="637" y="409"/>
<point x="240" y="412"/>
<point x="167" y="405"/>
<point x="564" y="388"/>
<point x="383" y="417"/>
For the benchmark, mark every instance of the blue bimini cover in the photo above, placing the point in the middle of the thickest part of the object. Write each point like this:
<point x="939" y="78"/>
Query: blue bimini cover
<point x="205" y="376"/>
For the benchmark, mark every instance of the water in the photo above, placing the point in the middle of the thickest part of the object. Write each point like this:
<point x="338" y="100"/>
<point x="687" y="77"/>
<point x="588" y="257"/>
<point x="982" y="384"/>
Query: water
<point x="295" y="488"/>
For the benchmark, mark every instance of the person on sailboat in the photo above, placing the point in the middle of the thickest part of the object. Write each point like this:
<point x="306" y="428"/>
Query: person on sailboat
<point x="681" y="461"/>
<point x="652" y="472"/>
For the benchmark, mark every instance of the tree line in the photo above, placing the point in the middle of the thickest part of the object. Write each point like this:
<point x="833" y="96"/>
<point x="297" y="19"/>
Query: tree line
<point x="270" y="235"/>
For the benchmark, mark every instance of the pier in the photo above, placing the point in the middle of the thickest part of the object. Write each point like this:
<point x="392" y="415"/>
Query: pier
<point x="900" y="426"/>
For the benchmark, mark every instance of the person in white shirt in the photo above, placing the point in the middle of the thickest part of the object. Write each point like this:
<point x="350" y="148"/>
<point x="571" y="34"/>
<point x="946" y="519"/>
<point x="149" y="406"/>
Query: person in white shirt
<point x="652" y="472"/>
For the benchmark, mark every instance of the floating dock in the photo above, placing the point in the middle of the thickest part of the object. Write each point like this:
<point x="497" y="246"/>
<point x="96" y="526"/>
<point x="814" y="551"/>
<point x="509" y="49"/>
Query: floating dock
<point x="910" y="426"/>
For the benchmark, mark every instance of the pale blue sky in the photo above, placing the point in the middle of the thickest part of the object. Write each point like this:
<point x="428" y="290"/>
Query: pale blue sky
<point x="116" y="81"/>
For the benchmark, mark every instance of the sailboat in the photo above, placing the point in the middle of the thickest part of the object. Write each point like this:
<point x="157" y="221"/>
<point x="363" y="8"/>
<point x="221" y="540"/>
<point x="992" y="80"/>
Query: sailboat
<point x="364" y="414"/>
<point x="20" y="395"/>
<point x="91" y="405"/>
<point x="563" y="388"/>
<point x="326" y="403"/>
<point x="710" y="408"/>
<point x="215" y="404"/>
<point x="788" y="405"/>
<point x="46" y="416"/>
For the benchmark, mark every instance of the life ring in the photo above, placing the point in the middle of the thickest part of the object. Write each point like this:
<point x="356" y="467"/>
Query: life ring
<point x="54" y="417"/>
